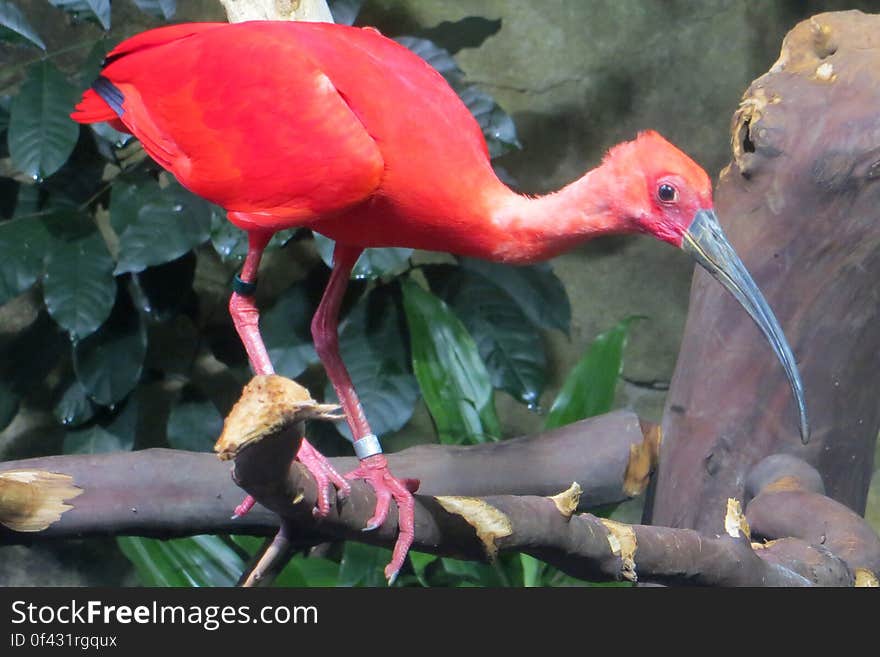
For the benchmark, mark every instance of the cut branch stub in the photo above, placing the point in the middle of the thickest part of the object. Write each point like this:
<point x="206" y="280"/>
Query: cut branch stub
<point x="31" y="500"/>
<point x="567" y="501"/>
<point x="489" y="523"/>
<point x="268" y="404"/>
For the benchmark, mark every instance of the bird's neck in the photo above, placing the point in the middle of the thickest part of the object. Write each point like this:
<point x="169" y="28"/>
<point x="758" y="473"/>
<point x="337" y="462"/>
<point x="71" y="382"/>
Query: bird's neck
<point x="537" y="228"/>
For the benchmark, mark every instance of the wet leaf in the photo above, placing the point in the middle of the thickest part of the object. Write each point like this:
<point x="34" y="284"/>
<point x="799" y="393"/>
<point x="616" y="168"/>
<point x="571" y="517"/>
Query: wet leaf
<point x="78" y="286"/>
<point x="590" y="386"/>
<point x="453" y="379"/>
<point x="181" y="219"/>
<point x="373" y="263"/>
<point x="13" y="20"/>
<point x="195" y="561"/>
<point x="510" y="345"/>
<point x="74" y="408"/>
<point x="109" y="362"/>
<point x="535" y="288"/>
<point x="371" y="344"/>
<point x="23" y="244"/>
<point x="194" y="426"/>
<point x="41" y="135"/>
<point x="95" y="9"/>
<point x="116" y="433"/>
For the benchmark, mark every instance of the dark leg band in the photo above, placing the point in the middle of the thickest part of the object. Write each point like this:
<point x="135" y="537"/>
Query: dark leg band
<point x="243" y="288"/>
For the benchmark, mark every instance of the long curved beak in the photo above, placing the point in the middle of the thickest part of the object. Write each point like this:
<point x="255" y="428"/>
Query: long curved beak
<point x="707" y="244"/>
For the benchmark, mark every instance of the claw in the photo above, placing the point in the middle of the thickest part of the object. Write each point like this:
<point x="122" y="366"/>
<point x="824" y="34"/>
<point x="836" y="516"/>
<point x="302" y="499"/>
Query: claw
<point x="325" y="477"/>
<point x="374" y="470"/>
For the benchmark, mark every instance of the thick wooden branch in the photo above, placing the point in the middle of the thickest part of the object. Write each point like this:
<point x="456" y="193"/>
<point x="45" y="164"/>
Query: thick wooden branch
<point x="167" y="493"/>
<point x="583" y="546"/>
<point x="789" y="501"/>
<point x="799" y="203"/>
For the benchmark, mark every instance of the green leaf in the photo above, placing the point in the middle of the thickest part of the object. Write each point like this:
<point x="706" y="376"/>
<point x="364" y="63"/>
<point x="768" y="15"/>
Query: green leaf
<point x="158" y="8"/>
<point x="109" y="362"/>
<point x="96" y="9"/>
<point x="27" y="202"/>
<point x="195" y="561"/>
<point x="181" y="219"/>
<point x="93" y="63"/>
<point x="510" y="346"/>
<point x="116" y="434"/>
<point x="535" y="288"/>
<point x="74" y="408"/>
<point x="286" y="331"/>
<point x="41" y="135"/>
<point x="194" y="426"/>
<point x="451" y="374"/>
<point x="420" y="562"/>
<point x="371" y="344"/>
<point x="13" y="20"/>
<point x="498" y="128"/>
<point x="129" y="194"/>
<point x="363" y="565"/>
<point x="532" y="570"/>
<point x="9" y="401"/>
<point x="345" y="12"/>
<point x="373" y="263"/>
<point x="439" y="58"/>
<point x="315" y="571"/>
<point x="23" y="244"/>
<point x="78" y="286"/>
<point x="589" y="388"/>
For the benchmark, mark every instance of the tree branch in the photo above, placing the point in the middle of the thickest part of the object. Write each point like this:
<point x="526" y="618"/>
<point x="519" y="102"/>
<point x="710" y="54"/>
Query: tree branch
<point x="166" y="493"/>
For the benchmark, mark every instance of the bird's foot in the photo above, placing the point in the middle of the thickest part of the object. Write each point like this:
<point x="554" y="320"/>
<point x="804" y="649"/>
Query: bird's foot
<point x="325" y="476"/>
<point x="374" y="469"/>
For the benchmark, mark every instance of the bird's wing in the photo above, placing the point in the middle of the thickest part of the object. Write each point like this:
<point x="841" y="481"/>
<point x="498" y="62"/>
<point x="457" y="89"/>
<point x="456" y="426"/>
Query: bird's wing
<point x="242" y="117"/>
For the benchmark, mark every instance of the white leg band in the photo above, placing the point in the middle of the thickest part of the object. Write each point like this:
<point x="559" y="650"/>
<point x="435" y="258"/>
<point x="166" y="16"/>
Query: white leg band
<point x="367" y="446"/>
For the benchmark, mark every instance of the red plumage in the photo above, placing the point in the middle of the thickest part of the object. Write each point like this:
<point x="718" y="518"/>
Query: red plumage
<point x="349" y="133"/>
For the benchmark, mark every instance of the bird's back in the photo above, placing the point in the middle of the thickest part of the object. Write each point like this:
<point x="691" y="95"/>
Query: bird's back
<point x="305" y="123"/>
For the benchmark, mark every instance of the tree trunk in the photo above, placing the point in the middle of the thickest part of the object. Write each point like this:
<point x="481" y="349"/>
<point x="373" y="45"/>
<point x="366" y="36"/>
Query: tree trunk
<point x="800" y="203"/>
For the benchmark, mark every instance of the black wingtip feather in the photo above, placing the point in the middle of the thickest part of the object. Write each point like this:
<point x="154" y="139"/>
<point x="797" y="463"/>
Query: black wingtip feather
<point x="110" y="93"/>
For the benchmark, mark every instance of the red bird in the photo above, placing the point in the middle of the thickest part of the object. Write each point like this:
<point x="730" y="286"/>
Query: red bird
<point x="343" y="131"/>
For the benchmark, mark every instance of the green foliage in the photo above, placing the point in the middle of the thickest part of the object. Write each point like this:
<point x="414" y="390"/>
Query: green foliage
<point x="134" y="273"/>
<point x="41" y="136"/>
<point x="589" y="388"/>
<point x="12" y="22"/>
<point x="451" y="374"/>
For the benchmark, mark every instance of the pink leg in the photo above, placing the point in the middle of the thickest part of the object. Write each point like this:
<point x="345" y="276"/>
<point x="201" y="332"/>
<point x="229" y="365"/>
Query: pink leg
<point x="246" y="318"/>
<point x="374" y="467"/>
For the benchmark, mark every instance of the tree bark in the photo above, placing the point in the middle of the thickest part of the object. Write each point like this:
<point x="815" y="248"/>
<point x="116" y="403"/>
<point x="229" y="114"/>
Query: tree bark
<point x="799" y="202"/>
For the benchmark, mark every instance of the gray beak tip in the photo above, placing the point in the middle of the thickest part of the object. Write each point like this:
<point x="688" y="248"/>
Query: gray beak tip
<point x="707" y="244"/>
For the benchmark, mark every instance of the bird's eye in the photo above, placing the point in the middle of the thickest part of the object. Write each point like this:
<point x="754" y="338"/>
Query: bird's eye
<point x="667" y="193"/>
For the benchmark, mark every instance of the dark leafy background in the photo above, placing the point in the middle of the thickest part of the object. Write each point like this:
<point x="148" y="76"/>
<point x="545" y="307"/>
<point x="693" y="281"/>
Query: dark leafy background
<point x="133" y="273"/>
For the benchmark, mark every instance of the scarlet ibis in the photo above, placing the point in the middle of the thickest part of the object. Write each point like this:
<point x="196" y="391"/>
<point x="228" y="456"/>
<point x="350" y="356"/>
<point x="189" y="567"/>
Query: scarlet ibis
<point x="346" y="132"/>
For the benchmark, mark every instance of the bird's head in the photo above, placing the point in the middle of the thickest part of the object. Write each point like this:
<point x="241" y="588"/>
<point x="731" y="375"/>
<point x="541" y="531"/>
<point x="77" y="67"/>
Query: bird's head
<point x="663" y="192"/>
